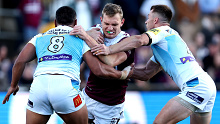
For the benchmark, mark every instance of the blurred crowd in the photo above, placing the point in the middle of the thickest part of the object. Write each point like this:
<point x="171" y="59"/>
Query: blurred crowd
<point x="197" y="21"/>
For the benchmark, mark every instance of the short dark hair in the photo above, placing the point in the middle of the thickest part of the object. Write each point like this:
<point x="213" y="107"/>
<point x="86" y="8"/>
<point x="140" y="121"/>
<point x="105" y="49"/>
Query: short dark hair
<point x="164" y="11"/>
<point x="65" y="15"/>
<point x="111" y="9"/>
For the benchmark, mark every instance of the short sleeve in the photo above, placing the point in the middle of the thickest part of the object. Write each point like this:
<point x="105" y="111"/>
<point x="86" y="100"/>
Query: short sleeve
<point x="33" y="40"/>
<point x="85" y="47"/>
<point x="156" y="34"/>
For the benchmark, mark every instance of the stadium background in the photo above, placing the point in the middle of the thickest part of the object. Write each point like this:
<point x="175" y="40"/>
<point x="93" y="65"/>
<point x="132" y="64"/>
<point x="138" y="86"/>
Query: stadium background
<point x="197" y="21"/>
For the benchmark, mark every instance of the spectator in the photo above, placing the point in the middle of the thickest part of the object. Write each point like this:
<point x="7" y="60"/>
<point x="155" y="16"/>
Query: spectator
<point x="31" y="11"/>
<point x="201" y="49"/>
<point x="209" y="6"/>
<point x="217" y="67"/>
<point x="148" y="3"/>
<point x="4" y="67"/>
<point x="131" y="15"/>
<point x="208" y="60"/>
<point x="187" y="17"/>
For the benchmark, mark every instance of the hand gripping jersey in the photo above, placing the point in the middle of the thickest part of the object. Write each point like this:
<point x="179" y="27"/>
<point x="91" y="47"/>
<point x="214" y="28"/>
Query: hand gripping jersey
<point x="59" y="53"/>
<point x="172" y="53"/>
<point x="110" y="92"/>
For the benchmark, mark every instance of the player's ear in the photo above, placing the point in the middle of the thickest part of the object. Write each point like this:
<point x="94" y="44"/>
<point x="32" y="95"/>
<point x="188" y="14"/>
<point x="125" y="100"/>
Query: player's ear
<point x="122" y="21"/>
<point x="156" y="20"/>
<point x="75" y="22"/>
<point x="55" y="22"/>
<point x="101" y="18"/>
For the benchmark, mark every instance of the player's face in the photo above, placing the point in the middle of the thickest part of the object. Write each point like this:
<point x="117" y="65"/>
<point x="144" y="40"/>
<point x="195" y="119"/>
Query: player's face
<point x="111" y="26"/>
<point x="150" y="21"/>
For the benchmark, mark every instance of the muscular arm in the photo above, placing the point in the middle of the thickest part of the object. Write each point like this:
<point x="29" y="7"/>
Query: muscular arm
<point x="129" y="43"/>
<point x="146" y="72"/>
<point x="100" y="69"/>
<point x="112" y="60"/>
<point x="26" y="55"/>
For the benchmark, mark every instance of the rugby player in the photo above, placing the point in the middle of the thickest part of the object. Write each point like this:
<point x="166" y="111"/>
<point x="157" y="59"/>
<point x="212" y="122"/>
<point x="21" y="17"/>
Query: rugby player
<point x="105" y="98"/>
<point x="56" y="79"/>
<point x="170" y="53"/>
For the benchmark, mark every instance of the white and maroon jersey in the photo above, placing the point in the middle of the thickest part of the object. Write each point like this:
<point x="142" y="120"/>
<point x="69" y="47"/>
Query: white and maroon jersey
<point x="109" y="91"/>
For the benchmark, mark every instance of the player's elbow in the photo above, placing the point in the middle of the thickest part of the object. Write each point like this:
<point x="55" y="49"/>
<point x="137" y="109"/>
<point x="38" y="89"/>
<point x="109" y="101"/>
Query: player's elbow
<point x="113" y="64"/>
<point x="140" y="40"/>
<point x="141" y="77"/>
<point x="20" y="61"/>
<point x="145" y="78"/>
<point x="99" y="72"/>
<point x="110" y="63"/>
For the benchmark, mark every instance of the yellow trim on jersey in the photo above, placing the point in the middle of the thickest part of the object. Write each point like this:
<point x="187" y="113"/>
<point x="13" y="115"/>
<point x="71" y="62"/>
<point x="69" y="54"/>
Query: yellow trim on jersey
<point x="75" y="88"/>
<point x="169" y="35"/>
<point x="195" y="85"/>
<point x="155" y="31"/>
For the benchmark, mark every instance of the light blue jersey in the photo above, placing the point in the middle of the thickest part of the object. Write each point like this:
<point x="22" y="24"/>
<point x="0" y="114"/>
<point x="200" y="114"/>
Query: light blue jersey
<point x="59" y="53"/>
<point x="56" y="77"/>
<point x="172" y="53"/>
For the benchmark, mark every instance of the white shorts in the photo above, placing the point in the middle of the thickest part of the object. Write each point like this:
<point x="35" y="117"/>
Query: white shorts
<point x="202" y="95"/>
<point x="54" y="92"/>
<point x="102" y="113"/>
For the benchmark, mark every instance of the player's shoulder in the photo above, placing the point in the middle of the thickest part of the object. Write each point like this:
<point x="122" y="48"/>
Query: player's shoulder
<point x="162" y="30"/>
<point x="123" y="34"/>
<point x="37" y="36"/>
<point x="96" y="26"/>
<point x="33" y="39"/>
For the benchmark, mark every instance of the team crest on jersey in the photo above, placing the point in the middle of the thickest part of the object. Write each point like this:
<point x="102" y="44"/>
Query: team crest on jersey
<point x="155" y="31"/>
<point x="77" y="101"/>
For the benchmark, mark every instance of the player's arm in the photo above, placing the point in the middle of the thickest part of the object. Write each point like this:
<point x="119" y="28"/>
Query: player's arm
<point x="112" y="60"/>
<point x="96" y="34"/>
<point x="102" y="70"/>
<point x="81" y="33"/>
<point x="126" y="44"/>
<point x="26" y="55"/>
<point x="147" y="72"/>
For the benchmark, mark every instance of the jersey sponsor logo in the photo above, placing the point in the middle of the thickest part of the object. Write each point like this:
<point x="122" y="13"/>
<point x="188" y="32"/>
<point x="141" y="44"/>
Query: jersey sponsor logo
<point x="194" y="97"/>
<point x="155" y="31"/>
<point x="77" y="101"/>
<point x="30" y="103"/>
<point x="58" y="31"/>
<point x="56" y="57"/>
<point x="187" y="59"/>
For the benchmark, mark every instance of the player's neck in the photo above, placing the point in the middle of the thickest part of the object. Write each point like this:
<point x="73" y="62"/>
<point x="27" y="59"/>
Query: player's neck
<point x="162" y="24"/>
